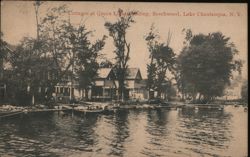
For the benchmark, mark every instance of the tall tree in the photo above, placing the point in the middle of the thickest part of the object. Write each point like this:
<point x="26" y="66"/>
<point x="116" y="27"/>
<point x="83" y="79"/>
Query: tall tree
<point x="56" y="30"/>
<point x="86" y="53"/>
<point x="118" y="31"/>
<point x="162" y="59"/>
<point x="151" y="39"/>
<point x="37" y="5"/>
<point x="29" y="69"/>
<point x="63" y="51"/>
<point x="37" y="47"/>
<point x="206" y="64"/>
<point x="68" y="45"/>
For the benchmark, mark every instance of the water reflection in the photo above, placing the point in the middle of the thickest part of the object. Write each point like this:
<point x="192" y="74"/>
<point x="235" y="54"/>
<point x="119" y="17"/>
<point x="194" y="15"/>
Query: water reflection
<point x="186" y="132"/>
<point x="158" y="133"/>
<point x="207" y="129"/>
<point x="20" y="136"/>
<point x="120" y="133"/>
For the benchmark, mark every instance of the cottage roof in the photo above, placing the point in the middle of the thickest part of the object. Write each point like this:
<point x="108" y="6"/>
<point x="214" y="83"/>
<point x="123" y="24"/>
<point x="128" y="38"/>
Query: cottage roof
<point x="10" y="49"/>
<point x="133" y="73"/>
<point x="103" y="72"/>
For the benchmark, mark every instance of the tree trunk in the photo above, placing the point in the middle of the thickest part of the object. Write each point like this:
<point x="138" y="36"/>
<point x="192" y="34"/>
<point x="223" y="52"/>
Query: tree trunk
<point x="121" y="90"/>
<point x="86" y="94"/>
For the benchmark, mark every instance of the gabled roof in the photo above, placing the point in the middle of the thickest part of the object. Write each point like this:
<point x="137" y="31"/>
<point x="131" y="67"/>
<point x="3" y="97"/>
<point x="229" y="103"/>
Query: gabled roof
<point x="103" y="73"/>
<point x="133" y="73"/>
<point x="10" y="49"/>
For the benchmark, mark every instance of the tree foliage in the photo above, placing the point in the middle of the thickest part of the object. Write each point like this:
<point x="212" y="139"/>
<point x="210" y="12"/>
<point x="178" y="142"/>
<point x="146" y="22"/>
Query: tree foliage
<point x="86" y="53"/>
<point x="60" y="51"/>
<point x="162" y="60"/>
<point x="32" y="74"/>
<point x="73" y="54"/>
<point x="118" y="31"/>
<point x="206" y="64"/>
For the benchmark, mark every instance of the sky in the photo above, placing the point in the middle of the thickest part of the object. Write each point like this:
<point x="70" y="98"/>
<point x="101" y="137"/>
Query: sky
<point x="18" y="20"/>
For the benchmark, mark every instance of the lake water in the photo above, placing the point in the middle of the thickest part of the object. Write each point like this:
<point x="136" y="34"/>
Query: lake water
<point x="128" y="133"/>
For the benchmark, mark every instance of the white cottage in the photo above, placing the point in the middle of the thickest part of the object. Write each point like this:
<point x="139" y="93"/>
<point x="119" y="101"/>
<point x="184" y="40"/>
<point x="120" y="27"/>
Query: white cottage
<point x="104" y="87"/>
<point x="135" y="85"/>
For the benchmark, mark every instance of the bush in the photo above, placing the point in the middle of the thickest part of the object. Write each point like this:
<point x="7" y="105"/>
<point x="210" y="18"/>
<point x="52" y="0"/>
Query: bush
<point x="23" y="98"/>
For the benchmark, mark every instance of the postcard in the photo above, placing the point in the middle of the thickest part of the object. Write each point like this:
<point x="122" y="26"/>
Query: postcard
<point x="123" y="79"/>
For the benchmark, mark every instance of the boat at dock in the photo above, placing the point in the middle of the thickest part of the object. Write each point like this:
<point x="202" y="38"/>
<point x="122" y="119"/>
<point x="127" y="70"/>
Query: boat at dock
<point x="86" y="109"/>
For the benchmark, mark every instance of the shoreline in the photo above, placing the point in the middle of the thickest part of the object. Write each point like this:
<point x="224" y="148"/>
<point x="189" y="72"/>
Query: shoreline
<point x="98" y="107"/>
